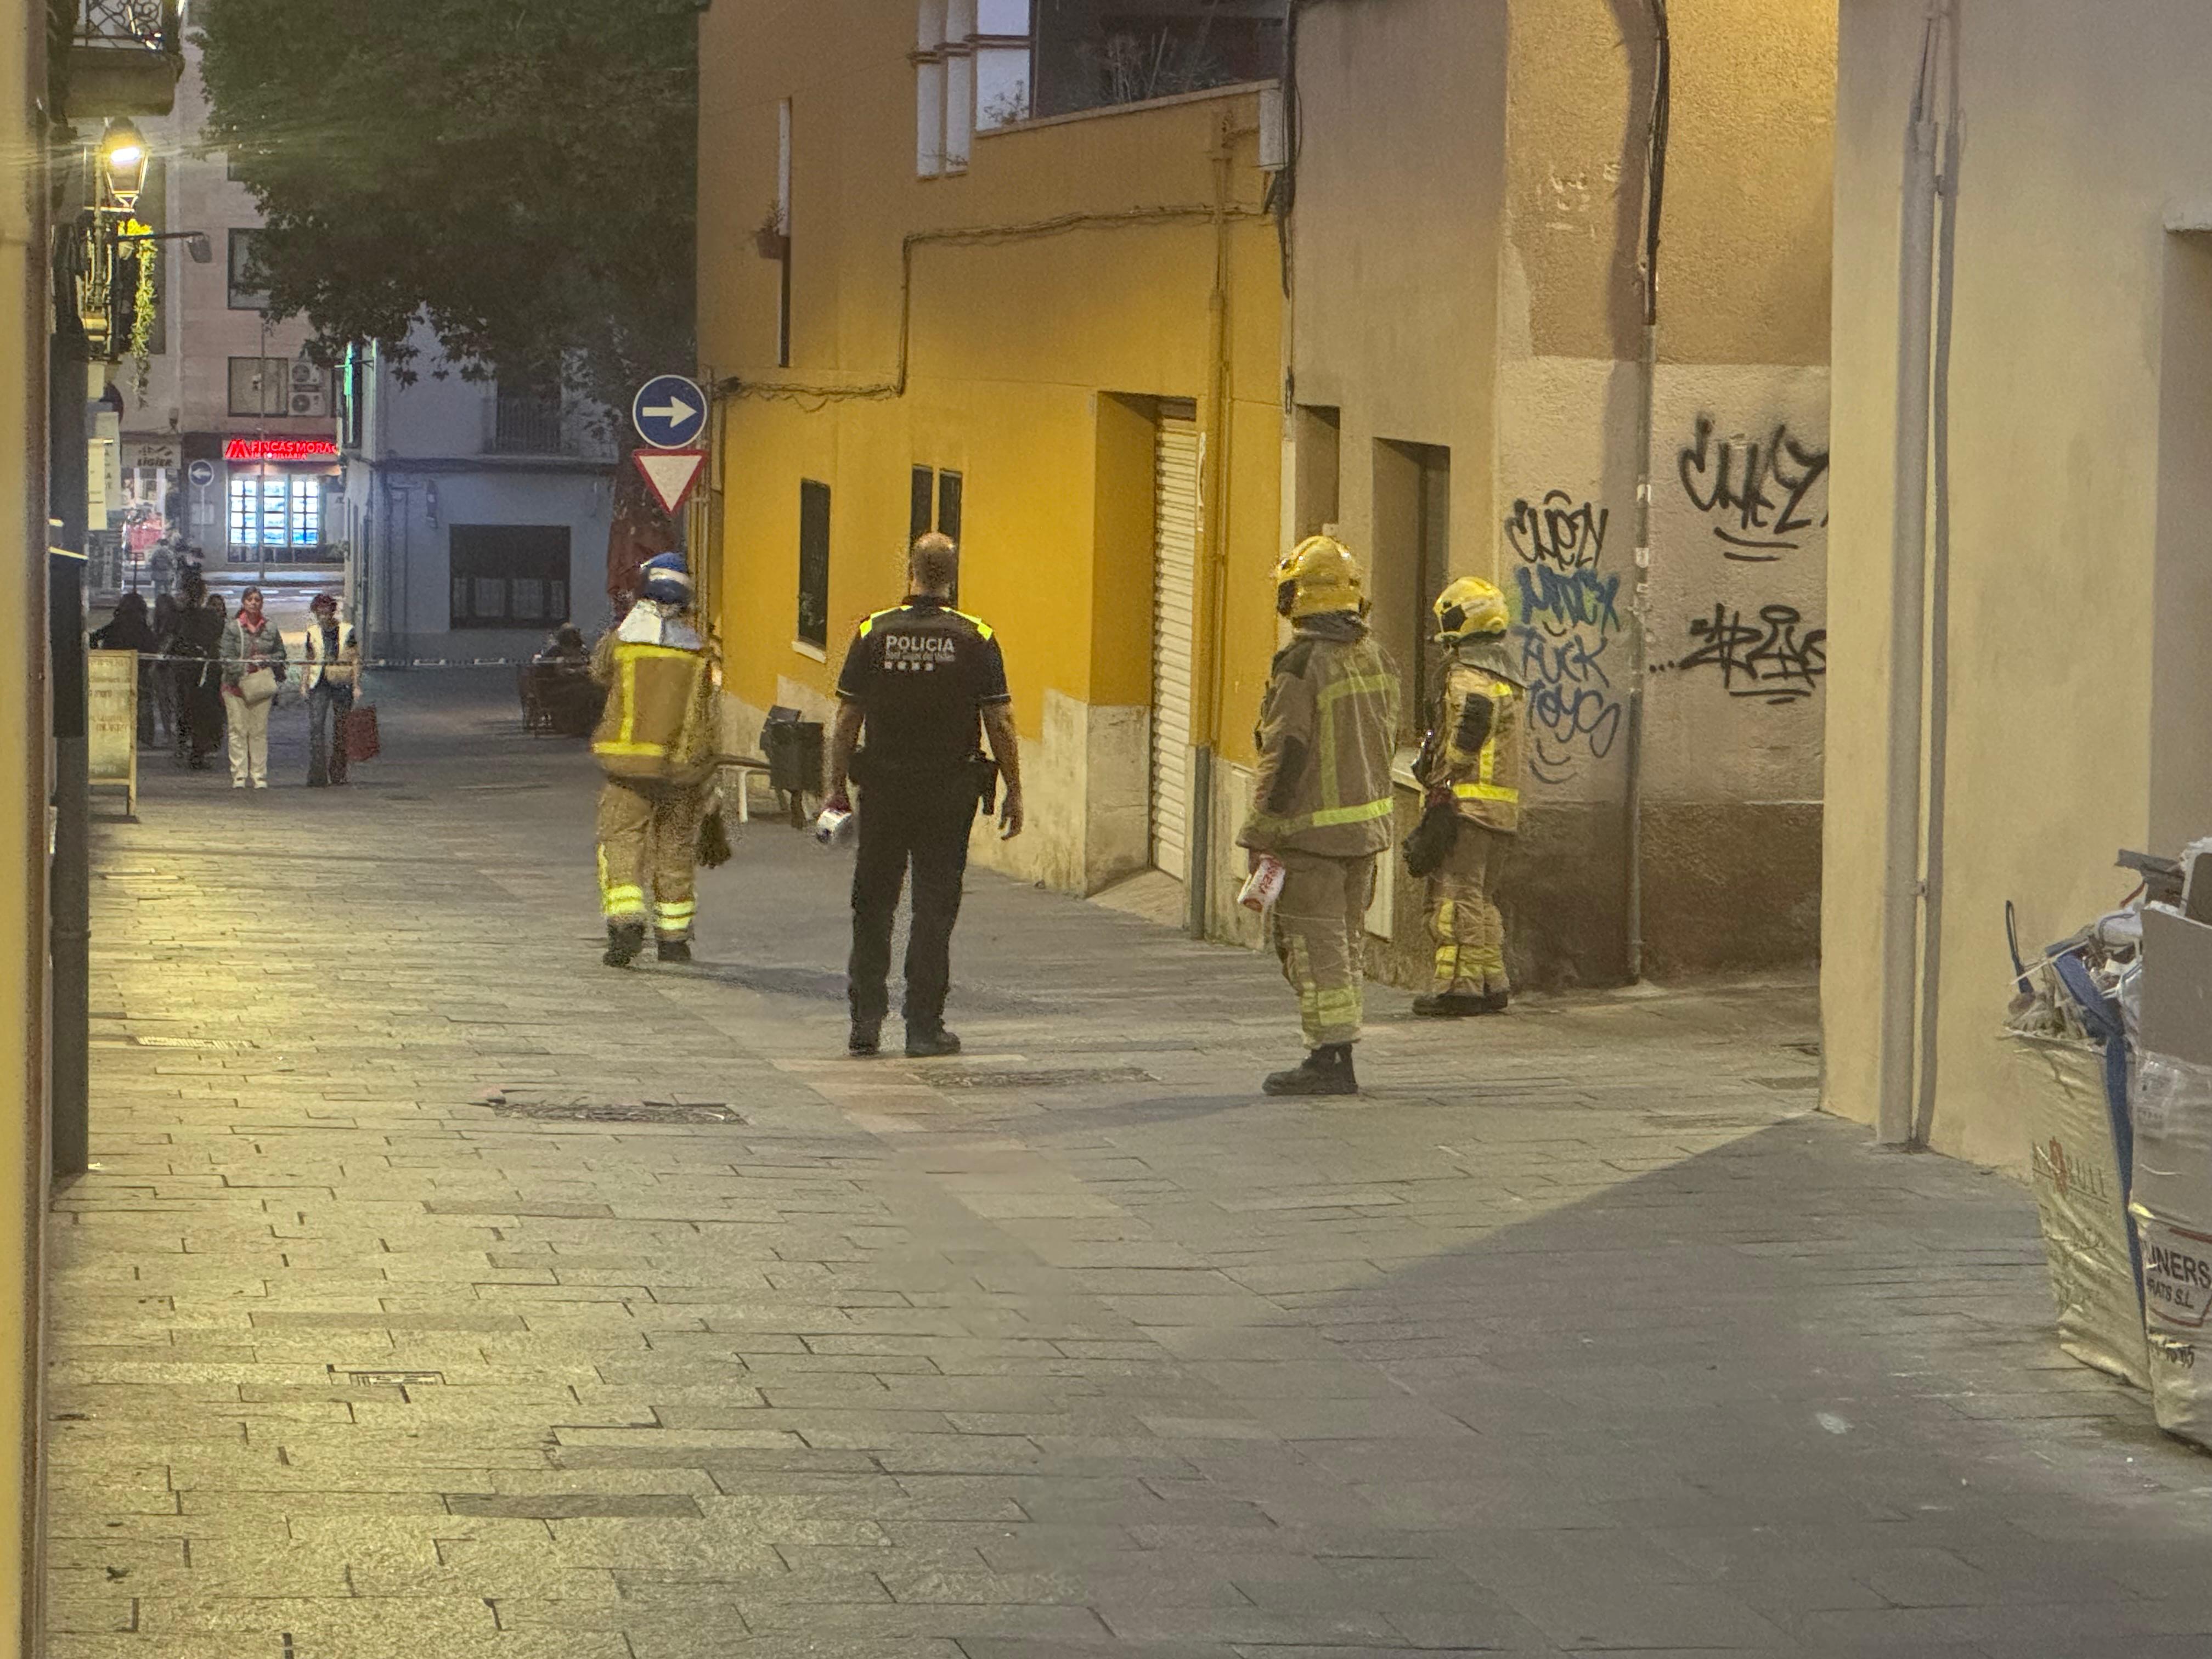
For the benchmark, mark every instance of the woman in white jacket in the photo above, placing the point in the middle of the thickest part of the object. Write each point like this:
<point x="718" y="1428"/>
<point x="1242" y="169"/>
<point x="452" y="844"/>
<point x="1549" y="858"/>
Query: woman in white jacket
<point x="333" y="661"/>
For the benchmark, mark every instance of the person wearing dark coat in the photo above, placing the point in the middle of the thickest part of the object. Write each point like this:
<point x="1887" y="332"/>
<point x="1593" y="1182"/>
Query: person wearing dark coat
<point x="199" y="642"/>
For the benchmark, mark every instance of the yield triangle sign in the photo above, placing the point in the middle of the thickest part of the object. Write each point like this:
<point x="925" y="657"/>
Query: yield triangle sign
<point x="671" y="473"/>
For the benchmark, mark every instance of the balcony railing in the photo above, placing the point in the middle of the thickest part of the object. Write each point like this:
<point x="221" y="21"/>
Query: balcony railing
<point x="130" y="25"/>
<point x="123" y="57"/>
<point x="523" y="424"/>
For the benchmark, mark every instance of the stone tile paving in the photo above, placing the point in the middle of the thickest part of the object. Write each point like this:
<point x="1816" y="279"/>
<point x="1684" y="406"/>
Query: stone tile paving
<point x="1581" y="1333"/>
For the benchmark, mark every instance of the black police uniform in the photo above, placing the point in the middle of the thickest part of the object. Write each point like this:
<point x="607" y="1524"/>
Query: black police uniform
<point x="921" y="675"/>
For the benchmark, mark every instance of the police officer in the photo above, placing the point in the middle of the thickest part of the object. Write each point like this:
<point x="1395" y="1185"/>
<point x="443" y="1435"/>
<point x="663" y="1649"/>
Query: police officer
<point x="1475" y="759"/>
<point x="1322" y="802"/>
<point x="918" y="681"/>
<point x="655" y="742"/>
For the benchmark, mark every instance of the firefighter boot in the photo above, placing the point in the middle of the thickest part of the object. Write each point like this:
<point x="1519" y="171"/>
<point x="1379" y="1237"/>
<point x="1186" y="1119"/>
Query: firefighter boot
<point x="1448" y="1005"/>
<point x="1326" y="1070"/>
<point x="676" y="949"/>
<point x="625" y="940"/>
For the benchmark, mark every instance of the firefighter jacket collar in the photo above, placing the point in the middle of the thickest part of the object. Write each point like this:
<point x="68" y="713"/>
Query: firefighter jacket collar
<point x="1343" y="626"/>
<point x="1493" y="654"/>
<point x="651" y="622"/>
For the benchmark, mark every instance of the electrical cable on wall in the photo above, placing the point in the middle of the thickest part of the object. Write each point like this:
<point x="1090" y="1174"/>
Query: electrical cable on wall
<point x="975" y="236"/>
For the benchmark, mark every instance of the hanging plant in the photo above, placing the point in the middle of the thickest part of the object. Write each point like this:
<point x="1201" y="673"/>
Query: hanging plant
<point x="141" y="321"/>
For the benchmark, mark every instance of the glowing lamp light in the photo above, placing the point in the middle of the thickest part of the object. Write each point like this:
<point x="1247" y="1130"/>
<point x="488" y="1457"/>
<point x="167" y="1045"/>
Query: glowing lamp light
<point x="122" y="162"/>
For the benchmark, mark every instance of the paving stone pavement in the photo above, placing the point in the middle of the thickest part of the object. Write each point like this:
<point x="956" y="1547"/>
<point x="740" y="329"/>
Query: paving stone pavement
<point x="1582" y="1332"/>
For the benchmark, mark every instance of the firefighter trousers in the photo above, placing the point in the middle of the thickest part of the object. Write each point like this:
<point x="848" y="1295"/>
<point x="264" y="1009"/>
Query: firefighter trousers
<point x="1464" y="924"/>
<point x="1320" y="934"/>
<point x="649" y="835"/>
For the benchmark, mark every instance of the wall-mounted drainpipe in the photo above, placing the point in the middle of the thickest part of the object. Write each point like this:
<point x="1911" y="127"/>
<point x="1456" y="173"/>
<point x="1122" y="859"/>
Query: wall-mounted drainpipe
<point x="1655" y="193"/>
<point x="1908" y="603"/>
<point x="1213" y="541"/>
<point x="1939" y="605"/>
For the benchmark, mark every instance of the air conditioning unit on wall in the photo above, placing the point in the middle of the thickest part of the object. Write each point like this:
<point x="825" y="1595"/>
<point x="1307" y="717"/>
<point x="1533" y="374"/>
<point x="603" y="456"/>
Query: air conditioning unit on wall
<point x="311" y="391"/>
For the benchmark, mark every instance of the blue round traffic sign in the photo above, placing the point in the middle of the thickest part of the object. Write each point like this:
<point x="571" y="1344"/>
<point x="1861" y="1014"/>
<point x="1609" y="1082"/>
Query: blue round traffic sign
<point x="201" y="473"/>
<point x="670" y="412"/>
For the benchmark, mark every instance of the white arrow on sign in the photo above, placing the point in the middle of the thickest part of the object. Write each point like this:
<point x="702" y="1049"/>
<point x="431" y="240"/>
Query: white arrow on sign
<point x="671" y="473"/>
<point x="675" y="411"/>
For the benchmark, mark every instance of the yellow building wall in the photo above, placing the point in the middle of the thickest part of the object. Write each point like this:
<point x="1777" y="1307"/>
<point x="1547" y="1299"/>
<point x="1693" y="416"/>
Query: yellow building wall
<point x="23" y="789"/>
<point x="1034" y="350"/>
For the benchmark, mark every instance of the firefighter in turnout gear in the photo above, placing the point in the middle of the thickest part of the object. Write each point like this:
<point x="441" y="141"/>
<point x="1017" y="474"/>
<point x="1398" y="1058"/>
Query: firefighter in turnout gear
<point x="1322" y="802"/>
<point x="1476" y="759"/>
<point x="655" y="742"/>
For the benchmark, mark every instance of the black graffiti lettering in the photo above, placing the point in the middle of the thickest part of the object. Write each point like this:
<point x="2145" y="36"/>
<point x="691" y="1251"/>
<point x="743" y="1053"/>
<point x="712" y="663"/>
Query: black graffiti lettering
<point x="1559" y="532"/>
<point x="1776" y="659"/>
<point x="1762" y="493"/>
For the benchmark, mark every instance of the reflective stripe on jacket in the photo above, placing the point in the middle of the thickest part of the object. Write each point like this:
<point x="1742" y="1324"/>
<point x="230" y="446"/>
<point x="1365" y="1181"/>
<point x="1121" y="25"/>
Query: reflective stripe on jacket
<point x="659" y="721"/>
<point x="1326" y="730"/>
<point x="1481" y="749"/>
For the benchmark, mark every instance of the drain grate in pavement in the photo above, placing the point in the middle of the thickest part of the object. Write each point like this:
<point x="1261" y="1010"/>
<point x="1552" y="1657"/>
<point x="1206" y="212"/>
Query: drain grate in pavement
<point x="227" y="1045"/>
<point x="394" y="1379"/>
<point x="570" y="1108"/>
<point x="1070" y="1078"/>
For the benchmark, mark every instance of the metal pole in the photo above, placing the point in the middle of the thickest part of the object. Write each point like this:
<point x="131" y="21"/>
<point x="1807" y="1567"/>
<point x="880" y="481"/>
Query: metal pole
<point x="1908" y="605"/>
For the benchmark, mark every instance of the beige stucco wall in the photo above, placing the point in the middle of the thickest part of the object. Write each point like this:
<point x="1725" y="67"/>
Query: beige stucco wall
<point x="1467" y="276"/>
<point x="2078" y="430"/>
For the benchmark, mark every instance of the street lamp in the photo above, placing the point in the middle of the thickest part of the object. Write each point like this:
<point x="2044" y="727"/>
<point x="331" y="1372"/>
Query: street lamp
<point x="122" y="163"/>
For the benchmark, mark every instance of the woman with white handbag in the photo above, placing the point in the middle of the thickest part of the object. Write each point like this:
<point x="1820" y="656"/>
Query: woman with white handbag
<point x="253" y="670"/>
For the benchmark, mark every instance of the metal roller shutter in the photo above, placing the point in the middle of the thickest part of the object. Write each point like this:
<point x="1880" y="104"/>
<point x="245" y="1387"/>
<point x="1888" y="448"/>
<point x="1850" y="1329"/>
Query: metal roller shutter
<point x="1174" y="583"/>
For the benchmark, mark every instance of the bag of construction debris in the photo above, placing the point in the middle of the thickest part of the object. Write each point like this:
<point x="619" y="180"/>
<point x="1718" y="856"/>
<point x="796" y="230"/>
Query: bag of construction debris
<point x="2082" y="1205"/>
<point x="2172" y="1206"/>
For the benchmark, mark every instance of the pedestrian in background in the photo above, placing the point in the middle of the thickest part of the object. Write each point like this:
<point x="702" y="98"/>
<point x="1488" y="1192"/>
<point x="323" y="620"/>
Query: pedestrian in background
<point x="330" y="671"/>
<point x="655" y="743"/>
<point x="1322" y="803"/>
<point x="199" y="674"/>
<point x="923" y="681"/>
<point x="129" y="631"/>
<point x="164" y="677"/>
<point x="1472" y="765"/>
<point x="253" y="670"/>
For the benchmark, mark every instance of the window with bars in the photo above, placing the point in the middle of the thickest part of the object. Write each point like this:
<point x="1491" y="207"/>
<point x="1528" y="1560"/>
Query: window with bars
<point x="509" y="575"/>
<point x="280" y="510"/>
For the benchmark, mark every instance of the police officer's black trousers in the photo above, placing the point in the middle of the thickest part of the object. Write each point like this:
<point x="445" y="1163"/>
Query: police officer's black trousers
<point x="924" y="822"/>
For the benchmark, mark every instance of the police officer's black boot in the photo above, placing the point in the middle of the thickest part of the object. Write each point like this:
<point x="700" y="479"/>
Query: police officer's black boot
<point x="1326" y="1070"/>
<point x="866" y="1040"/>
<point x="931" y="1044"/>
<point x="625" y="940"/>
<point x="676" y="949"/>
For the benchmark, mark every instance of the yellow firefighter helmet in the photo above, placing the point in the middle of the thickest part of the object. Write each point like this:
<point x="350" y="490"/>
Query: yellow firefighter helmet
<point x="1320" y="576"/>
<point x="1470" y="608"/>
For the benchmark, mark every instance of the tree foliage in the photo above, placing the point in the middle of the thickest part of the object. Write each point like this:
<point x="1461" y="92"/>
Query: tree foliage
<point x="520" y="174"/>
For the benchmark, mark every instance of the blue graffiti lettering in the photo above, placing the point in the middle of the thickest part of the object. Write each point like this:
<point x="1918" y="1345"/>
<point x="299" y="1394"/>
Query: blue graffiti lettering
<point x="1569" y="612"/>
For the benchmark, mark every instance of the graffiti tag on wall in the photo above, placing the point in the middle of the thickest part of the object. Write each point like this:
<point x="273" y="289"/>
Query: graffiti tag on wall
<point x="1774" y="658"/>
<point x="1570" y="610"/>
<point x="1762" y="495"/>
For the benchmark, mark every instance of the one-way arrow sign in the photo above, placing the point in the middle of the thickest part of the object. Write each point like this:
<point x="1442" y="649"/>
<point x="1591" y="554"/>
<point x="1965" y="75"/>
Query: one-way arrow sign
<point x="669" y="411"/>
<point x="671" y="473"/>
